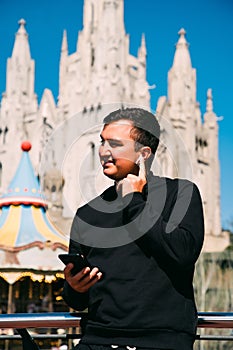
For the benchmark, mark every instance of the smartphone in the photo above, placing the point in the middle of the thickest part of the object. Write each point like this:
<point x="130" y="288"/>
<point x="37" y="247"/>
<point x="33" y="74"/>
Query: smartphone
<point x="77" y="259"/>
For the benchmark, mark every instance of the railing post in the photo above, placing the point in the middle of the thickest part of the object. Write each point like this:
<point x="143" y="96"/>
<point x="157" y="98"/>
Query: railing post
<point x="27" y="340"/>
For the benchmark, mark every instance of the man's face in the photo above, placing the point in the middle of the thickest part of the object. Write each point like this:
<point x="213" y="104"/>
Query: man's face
<point x="117" y="150"/>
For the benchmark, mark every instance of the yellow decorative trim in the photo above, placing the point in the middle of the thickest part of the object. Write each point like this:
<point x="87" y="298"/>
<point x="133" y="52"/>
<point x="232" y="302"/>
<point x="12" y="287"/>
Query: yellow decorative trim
<point x="12" y="277"/>
<point x="9" y="231"/>
<point x="42" y="227"/>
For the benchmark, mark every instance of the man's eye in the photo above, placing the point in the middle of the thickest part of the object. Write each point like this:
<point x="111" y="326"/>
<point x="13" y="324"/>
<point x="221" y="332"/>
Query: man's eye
<point x="115" y="144"/>
<point x="111" y="143"/>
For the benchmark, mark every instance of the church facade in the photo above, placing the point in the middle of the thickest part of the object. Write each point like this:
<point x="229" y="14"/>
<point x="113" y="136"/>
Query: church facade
<point x="101" y="76"/>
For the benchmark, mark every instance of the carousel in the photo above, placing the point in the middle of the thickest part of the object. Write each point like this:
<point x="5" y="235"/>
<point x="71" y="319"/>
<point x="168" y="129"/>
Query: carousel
<point x="31" y="276"/>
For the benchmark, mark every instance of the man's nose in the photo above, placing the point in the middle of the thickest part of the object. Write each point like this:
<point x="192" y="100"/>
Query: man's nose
<point x="105" y="149"/>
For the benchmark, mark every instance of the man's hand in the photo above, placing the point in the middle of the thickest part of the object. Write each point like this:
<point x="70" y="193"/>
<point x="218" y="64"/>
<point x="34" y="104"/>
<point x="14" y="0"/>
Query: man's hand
<point x="133" y="183"/>
<point x="84" y="279"/>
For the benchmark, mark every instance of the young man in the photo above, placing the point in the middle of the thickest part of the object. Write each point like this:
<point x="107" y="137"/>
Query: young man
<point x="141" y="237"/>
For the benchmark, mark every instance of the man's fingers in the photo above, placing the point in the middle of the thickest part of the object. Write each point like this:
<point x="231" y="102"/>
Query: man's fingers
<point x="84" y="279"/>
<point x="68" y="271"/>
<point x="86" y="282"/>
<point x="142" y="167"/>
<point x="119" y="186"/>
<point x="90" y="280"/>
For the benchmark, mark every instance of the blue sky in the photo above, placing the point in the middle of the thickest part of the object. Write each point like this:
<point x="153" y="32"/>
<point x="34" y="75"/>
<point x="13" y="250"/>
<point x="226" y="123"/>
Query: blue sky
<point x="209" y="27"/>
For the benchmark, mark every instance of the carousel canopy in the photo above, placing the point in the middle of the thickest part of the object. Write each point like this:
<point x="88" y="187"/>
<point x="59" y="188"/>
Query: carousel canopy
<point x="24" y="187"/>
<point x="28" y="239"/>
<point x="24" y="219"/>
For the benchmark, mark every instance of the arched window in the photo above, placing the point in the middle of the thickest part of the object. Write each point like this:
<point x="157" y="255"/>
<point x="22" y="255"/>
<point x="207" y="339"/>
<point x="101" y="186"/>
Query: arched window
<point x="92" y="155"/>
<point x="92" y="56"/>
<point x="53" y="193"/>
<point x="4" y="134"/>
<point x="0" y="174"/>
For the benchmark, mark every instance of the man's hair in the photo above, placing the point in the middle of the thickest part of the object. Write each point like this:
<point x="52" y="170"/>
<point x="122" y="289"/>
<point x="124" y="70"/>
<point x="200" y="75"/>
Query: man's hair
<point x="145" y="130"/>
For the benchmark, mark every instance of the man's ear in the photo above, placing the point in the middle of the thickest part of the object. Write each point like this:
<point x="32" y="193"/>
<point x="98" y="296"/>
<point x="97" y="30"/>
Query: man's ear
<point x="146" y="152"/>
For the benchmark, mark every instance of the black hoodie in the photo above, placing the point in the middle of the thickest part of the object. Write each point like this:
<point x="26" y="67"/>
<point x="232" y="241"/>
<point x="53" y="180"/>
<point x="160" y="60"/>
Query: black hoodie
<point x="146" y="245"/>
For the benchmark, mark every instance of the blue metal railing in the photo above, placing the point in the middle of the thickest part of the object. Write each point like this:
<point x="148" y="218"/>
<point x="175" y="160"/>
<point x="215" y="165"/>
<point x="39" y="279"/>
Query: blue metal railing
<point x="21" y="322"/>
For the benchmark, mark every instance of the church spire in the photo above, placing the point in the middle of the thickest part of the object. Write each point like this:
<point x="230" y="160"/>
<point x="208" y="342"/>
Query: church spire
<point x="142" y="49"/>
<point x="210" y="118"/>
<point x="21" y="50"/>
<point x="182" y="77"/>
<point x="20" y="67"/>
<point x="182" y="60"/>
<point x="209" y="102"/>
<point x="64" y="46"/>
<point x="102" y="61"/>
<point x="63" y="66"/>
<point x="104" y="15"/>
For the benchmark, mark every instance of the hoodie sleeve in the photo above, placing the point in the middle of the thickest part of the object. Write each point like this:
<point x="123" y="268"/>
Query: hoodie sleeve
<point x="78" y="301"/>
<point x="171" y="225"/>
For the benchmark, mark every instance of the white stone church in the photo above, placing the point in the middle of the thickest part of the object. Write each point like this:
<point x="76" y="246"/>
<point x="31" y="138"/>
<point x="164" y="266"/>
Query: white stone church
<point x="101" y="76"/>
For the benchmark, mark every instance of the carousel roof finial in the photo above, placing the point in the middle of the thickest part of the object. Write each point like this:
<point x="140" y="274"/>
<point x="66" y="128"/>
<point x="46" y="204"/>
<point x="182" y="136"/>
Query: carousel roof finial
<point x="26" y="146"/>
